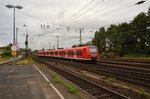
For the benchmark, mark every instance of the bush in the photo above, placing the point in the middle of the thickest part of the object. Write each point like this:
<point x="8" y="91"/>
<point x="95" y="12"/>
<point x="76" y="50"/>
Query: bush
<point x="6" y="54"/>
<point x="72" y="89"/>
<point x="136" y="55"/>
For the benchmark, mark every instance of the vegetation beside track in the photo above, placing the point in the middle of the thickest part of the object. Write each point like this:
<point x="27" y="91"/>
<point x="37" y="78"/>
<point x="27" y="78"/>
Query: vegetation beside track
<point x="25" y="61"/>
<point x="71" y="88"/>
<point x="5" y="53"/>
<point x="127" y="38"/>
<point x="135" y="58"/>
<point x="56" y="79"/>
<point x="5" y="59"/>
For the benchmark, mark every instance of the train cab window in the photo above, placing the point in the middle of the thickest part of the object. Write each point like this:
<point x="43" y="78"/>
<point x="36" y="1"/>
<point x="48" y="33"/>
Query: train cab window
<point x="47" y="53"/>
<point x="93" y="50"/>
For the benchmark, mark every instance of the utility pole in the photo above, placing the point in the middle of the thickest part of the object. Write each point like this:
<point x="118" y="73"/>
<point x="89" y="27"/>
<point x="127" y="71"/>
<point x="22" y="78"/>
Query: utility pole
<point x="26" y="42"/>
<point x="80" y="37"/>
<point x="14" y="28"/>
<point x="17" y="37"/>
<point x="49" y="45"/>
<point x="81" y="29"/>
<point x="57" y="42"/>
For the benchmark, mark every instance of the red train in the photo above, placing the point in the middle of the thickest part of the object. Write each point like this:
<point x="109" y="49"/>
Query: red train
<point x="86" y="53"/>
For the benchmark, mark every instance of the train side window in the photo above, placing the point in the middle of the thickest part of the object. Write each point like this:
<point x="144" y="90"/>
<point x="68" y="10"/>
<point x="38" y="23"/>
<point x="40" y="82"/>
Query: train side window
<point x="71" y="53"/>
<point x="80" y="53"/>
<point x="56" y="53"/>
<point x="75" y="53"/>
<point x="66" y="53"/>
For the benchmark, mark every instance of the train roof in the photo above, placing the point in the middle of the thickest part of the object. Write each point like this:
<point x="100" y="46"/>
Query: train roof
<point x="80" y="47"/>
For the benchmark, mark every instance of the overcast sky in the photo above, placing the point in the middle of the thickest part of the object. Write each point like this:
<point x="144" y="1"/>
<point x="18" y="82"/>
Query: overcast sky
<point x="47" y="19"/>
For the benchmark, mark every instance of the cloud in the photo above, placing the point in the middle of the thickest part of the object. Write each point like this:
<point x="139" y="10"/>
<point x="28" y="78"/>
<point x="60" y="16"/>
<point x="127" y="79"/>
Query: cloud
<point x="36" y="12"/>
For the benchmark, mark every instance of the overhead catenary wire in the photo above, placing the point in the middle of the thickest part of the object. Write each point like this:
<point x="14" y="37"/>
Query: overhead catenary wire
<point x="78" y="11"/>
<point x="102" y="10"/>
<point x="34" y="17"/>
<point x="41" y="20"/>
<point x="88" y="10"/>
<point x="112" y="11"/>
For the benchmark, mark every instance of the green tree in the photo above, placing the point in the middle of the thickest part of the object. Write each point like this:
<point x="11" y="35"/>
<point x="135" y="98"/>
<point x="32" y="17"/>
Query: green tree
<point x="100" y="39"/>
<point x="139" y="24"/>
<point x="125" y="38"/>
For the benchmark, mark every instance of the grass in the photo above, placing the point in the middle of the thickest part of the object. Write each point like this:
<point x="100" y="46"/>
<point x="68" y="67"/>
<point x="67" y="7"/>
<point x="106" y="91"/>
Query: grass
<point x="137" y="56"/>
<point x="5" y="59"/>
<point x="71" y="88"/>
<point x="56" y="79"/>
<point x="109" y="79"/>
<point x="25" y="61"/>
<point x="142" y="92"/>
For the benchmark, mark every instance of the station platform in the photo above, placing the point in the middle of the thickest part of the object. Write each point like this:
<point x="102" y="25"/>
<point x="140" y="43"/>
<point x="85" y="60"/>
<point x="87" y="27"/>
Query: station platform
<point x="26" y="82"/>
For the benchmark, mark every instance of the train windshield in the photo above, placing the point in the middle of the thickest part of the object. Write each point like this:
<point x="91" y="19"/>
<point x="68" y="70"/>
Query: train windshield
<point x="93" y="50"/>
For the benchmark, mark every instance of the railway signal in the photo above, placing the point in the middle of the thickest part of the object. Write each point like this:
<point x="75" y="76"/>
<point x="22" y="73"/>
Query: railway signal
<point x="140" y="2"/>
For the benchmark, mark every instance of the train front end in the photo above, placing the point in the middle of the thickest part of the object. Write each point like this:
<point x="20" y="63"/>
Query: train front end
<point x="94" y="53"/>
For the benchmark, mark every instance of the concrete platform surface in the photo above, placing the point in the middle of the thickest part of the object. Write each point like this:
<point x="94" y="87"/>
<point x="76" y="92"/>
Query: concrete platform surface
<point x="24" y="83"/>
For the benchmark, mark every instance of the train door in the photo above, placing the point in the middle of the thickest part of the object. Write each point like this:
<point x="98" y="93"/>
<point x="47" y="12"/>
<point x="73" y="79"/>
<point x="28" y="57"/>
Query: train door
<point x="58" y="53"/>
<point x="75" y="53"/>
<point x="66" y="53"/>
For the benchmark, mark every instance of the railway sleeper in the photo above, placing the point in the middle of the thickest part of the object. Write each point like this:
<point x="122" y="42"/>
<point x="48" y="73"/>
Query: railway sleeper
<point x="104" y="96"/>
<point x="95" y="92"/>
<point x="86" y="87"/>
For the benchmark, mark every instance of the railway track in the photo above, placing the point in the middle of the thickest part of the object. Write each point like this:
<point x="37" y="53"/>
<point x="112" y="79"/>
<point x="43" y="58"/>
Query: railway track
<point x="10" y="61"/>
<point x="6" y="63"/>
<point x="134" y="75"/>
<point x="98" y="91"/>
<point x="134" y="63"/>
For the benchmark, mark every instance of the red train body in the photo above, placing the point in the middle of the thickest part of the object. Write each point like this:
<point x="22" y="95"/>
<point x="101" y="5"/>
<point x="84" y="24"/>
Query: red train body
<point x="86" y="53"/>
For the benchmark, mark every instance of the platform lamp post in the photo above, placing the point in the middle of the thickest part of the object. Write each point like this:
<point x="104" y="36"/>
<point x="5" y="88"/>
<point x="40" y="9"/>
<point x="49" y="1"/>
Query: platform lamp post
<point x="26" y="42"/>
<point x="14" y="7"/>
